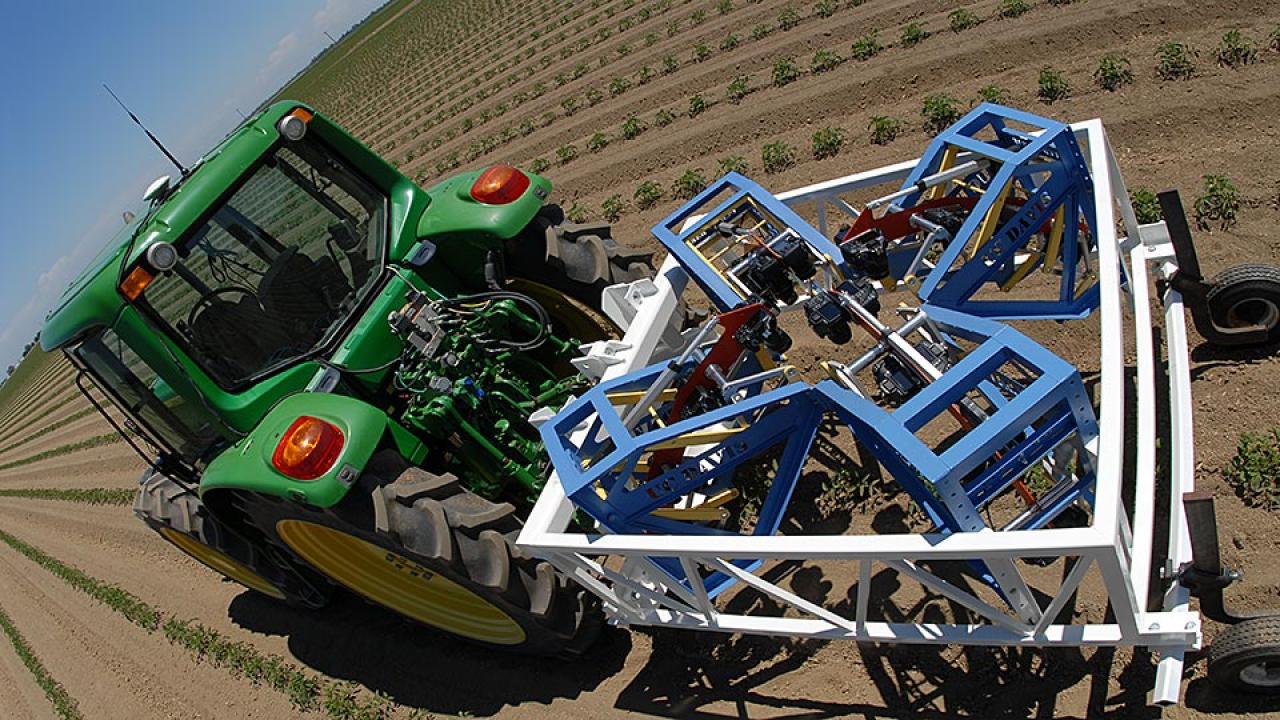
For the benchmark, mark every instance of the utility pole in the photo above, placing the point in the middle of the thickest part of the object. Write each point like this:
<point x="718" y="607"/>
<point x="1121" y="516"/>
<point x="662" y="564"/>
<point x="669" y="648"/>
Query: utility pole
<point x="331" y="40"/>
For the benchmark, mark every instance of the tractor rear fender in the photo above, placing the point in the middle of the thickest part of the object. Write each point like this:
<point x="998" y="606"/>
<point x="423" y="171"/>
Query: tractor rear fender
<point x="365" y="429"/>
<point x="466" y="230"/>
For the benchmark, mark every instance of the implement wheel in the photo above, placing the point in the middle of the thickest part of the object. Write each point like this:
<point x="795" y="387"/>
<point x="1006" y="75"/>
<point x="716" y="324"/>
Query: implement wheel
<point x="179" y="517"/>
<point x="442" y="556"/>
<point x="1246" y="657"/>
<point x="1245" y="296"/>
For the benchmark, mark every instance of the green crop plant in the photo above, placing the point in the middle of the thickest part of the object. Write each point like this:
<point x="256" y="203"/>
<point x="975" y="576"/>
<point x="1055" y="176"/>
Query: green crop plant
<point x="1254" y="471"/>
<point x="1175" y="61"/>
<point x="597" y="142"/>
<point x="89" y="443"/>
<point x="724" y="7"/>
<point x="1235" y="50"/>
<point x="689" y="183"/>
<point x="939" y="111"/>
<point x="913" y="34"/>
<point x="698" y="17"/>
<point x="1218" y="202"/>
<point x="644" y="75"/>
<point x="1053" y="86"/>
<point x="1146" y="206"/>
<point x="884" y="129"/>
<point x="788" y="18"/>
<point x="1012" y="8"/>
<point x="1273" y="40"/>
<point x="87" y="496"/>
<point x="827" y="142"/>
<point x="1114" y="72"/>
<point x="866" y="47"/>
<point x="825" y="60"/>
<point x="63" y="704"/>
<point x="785" y="72"/>
<point x="993" y="94"/>
<point x="632" y="127"/>
<point x="547" y="119"/>
<point x="738" y="89"/>
<point x="963" y="19"/>
<point x="730" y="42"/>
<point x="618" y="85"/>
<point x="670" y="65"/>
<point x="623" y="50"/>
<point x="566" y="153"/>
<point x="539" y="165"/>
<point x="612" y="207"/>
<point x="701" y="52"/>
<point x="777" y="156"/>
<point x="673" y="28"/>
<point x="761" y="31"/>
<point x="525" y="128"/>
<point x="647" y="194"/>
<point x="135" y="610"/>
<point x="576" y="213"/>
<point x="650" y="39"/>
<point x="825" y="8"/>
<point x="734" y="163"/>
<point x="593" y="96"/>
<point x="664" y="117"/>
<point x="845" y="489"/>
<point x="697" y="106"/>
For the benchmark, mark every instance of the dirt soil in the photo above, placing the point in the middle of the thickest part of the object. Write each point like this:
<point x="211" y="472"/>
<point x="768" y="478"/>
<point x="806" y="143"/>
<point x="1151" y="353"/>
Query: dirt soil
<point x="1166" y="134"/>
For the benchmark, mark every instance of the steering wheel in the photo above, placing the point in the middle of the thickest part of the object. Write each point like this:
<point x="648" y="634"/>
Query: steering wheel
<point x="208" y="298"/>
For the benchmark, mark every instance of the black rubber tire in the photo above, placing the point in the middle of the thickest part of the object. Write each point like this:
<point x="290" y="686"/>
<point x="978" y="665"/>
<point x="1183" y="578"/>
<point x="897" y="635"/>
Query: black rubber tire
<point x="434" y="522"/>
<point x="1246" y="295"/>
<point x="167" y="507"/>
<point x="1246" y="657"/>
<point x="579" y="260"/>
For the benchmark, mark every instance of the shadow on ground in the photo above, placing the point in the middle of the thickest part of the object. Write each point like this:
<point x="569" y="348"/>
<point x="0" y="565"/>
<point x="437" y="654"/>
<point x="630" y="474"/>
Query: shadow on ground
<point x="416" y="667"/>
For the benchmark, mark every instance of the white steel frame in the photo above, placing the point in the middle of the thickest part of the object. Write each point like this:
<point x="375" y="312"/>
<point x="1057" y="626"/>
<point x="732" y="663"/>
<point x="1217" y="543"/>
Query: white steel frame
<point x="617" y="567"/>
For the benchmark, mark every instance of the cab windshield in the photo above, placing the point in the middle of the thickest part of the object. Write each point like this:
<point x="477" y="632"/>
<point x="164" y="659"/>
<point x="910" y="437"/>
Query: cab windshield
<point x="276" y="268"/>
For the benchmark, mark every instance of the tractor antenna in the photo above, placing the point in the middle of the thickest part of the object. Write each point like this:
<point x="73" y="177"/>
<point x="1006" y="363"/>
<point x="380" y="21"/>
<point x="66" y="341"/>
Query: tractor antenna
<point x="153" y="138"/>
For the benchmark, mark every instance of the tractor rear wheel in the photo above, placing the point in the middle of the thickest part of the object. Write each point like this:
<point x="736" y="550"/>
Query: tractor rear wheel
<point x="438" y="554"/>
<point x="578" y="260"/>
<point x="179" y="517"/>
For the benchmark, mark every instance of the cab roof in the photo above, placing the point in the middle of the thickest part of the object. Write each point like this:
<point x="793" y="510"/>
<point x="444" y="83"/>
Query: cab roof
<point x="92" y="299"/>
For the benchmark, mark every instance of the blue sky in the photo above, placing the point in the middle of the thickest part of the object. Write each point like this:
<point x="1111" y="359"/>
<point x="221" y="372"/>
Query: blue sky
<point x="71" y="161"/>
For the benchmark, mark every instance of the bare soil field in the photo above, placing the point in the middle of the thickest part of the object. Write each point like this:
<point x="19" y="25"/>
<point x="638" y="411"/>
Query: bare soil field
<point x="443" y="87"/>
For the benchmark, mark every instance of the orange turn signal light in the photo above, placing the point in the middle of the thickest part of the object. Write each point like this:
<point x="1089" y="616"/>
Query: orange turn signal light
<point x="499" y="185"/>
<point x="135" y="282"/>
<point x="302" y="114"/>
<point x="308" y="449"/>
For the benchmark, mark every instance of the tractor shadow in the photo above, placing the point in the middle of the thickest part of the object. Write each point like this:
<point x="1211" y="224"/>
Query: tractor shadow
<point x="355" y="641"/>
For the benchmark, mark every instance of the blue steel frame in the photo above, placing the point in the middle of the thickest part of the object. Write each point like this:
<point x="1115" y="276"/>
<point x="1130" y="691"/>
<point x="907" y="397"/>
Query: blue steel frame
<point x="739" y="187"/>
<point x="1050" y="169"/>
<point x="1026" y="423"/>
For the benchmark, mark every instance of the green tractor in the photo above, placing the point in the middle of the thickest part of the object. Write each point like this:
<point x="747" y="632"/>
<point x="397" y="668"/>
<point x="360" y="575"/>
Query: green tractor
<point x="330" y="372"/>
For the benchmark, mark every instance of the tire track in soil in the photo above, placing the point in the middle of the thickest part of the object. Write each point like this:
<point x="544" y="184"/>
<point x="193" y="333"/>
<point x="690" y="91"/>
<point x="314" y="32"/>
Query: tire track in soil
<point x="112" y="667"/>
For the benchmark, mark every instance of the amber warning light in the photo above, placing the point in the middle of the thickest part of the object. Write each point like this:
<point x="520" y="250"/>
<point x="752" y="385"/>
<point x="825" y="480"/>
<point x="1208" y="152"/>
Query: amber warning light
<point x="308" y="449"/>
<point x="499" y="185"/>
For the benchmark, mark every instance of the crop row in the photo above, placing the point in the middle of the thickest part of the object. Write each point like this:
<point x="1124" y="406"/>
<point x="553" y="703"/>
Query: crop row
<point x="85" y="444"/>
<point x="87" y="496"/>
<point x="306" y="691"/>
<point x="63" y="704"/>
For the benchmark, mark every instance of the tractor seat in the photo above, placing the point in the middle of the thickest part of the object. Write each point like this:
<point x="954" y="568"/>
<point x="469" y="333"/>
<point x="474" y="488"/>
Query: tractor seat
<point x="301" y="295"/>
<point x="236" y="336"/>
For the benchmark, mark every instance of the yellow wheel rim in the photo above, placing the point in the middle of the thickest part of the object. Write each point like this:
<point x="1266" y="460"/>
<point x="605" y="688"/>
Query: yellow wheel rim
<point x="223" y="563"/>
<point x="394" y="581"/>
<point x="582" y="322"/>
